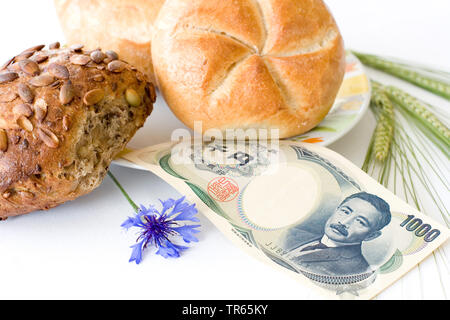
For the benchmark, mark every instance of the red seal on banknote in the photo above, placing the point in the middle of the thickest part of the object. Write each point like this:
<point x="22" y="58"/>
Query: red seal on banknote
<point x="223" y="189"/>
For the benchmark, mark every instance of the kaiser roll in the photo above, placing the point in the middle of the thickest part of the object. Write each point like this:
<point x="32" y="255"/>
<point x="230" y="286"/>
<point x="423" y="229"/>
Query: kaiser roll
<point x="248" y="63"/>
<point x="64" y="115"/>
<point x="125" y="26"/>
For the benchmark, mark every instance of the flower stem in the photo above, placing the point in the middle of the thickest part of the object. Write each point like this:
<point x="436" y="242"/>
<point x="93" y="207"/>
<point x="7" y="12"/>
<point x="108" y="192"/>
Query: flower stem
<point x="131" y="202"/>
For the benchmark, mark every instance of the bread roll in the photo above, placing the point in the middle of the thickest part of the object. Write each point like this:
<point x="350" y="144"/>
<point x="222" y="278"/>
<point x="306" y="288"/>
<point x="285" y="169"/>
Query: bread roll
<point x="125" y="26"/>
<point x="64" y="115"/>
<point x="248" y="63"/>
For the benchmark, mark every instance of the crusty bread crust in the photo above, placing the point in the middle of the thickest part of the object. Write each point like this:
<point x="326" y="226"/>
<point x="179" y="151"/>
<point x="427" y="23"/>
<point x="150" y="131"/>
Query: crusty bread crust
<point x="63" y="118"/>
<point x="125" y="26"/>
<point x="248" y="63"/>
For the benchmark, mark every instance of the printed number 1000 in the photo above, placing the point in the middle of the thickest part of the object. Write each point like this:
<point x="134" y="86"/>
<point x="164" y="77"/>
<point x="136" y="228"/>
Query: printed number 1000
<point x="420" y="230"/>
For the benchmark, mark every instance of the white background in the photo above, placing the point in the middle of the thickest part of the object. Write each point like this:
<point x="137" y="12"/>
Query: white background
<point x="79" y="251"/>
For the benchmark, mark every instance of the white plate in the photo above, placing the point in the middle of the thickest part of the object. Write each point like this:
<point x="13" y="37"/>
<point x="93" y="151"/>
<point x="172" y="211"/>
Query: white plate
<point x="351" y="104"/>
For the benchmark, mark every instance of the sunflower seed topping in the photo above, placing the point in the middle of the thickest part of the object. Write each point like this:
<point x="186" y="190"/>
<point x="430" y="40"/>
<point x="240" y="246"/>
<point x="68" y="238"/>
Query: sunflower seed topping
<point x="39" y="58"/>
<point x="56" y="84"/>
<point x="66" y="93"/>
<point x="8" y="77"/>
<point x="76" y="47"/>
<point x="29" y="67"/>
<point x="48" y="137"/>
<point x="112" y="55"/>
<point x="24" y="55"/>
<point x="25" y="124"/>
<point x="23" y="109"/>
<point x="35" y="48"/>
<point x="58" y="71"/>
<point x="42" y="80"/>
<point x="66" y="123"/>
<point x="40" y="109"/>
<point x="93" y="97"/>
<point x="98" y="56"/>
<point x="116" y="66"/>
<point x="3" y="140"/>
<point x="25" y="93"/>
<point x="80" y="59"/>
<point x="8" y="97"/>
<point x="55" y="45"/>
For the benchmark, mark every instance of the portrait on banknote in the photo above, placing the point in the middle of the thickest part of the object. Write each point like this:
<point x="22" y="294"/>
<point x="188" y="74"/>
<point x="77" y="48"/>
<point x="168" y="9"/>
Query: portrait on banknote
<point x="337" y="250"/>
<point x="342" y="242"/>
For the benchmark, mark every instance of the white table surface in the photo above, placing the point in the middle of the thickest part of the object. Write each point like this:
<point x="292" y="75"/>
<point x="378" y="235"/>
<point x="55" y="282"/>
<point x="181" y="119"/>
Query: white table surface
<point x="79" y="251"/>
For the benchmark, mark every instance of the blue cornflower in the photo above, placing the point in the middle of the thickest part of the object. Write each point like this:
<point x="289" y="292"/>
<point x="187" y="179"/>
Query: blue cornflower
<point x="157" y="228"/>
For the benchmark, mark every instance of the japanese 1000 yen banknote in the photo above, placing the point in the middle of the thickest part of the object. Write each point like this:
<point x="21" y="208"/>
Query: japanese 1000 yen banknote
<point x="303" y="209"/>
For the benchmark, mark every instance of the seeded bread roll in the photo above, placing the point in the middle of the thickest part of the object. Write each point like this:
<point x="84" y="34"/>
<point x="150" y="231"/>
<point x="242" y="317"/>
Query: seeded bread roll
<point x="125" y="26"/>
<point x="64" y="115"/>
<point x="248" y="63"/>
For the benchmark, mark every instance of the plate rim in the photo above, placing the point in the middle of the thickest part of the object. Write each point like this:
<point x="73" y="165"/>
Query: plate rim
<point x="362" y="111"/>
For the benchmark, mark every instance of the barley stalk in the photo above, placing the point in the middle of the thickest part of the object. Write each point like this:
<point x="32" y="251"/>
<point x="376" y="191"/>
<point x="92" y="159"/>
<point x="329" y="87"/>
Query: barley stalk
<point x="383" y="137"/>
<point x="441" y="88"/>
<point x="423" y="69"/>
<point x="384" y="131"/>
<point x="422" y="113"/>
<point x="381" y="100"/>
<point x="410" y="150"/>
